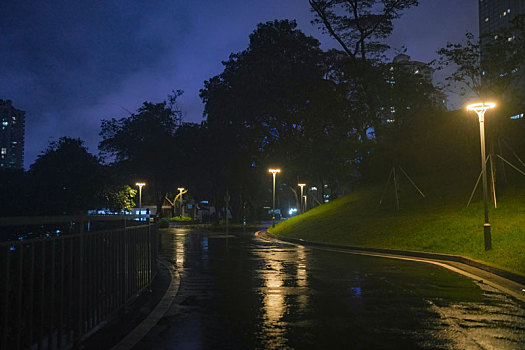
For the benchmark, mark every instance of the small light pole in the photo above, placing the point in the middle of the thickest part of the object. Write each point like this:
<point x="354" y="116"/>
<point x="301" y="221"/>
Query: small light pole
<point x="226" y="206"/>
<point x="301" y="198"/>
<point x="305" y="202"/>
<point x="480" y="109"/>
<point x="140" y="184"/>
<point x="274" y="173"/>
<point x="181" y="190"/>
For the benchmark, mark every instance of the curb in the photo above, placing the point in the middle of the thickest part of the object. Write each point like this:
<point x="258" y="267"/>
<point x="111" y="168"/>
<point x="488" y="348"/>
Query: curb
<point x="515" y="277"/>
<point x="140" y="331"/>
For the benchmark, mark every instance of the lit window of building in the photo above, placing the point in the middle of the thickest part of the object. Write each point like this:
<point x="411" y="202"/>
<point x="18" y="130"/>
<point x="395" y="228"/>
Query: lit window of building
<point x="495" y="15"/>
<point x="12" y="135"/>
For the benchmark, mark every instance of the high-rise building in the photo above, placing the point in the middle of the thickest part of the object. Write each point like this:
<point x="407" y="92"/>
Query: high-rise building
<point x="11" y="136"/>
<point x="495" y="15"/>
<point x="422" y="71"/>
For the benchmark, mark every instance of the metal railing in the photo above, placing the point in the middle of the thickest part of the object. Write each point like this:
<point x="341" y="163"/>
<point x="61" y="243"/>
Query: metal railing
<point x="55" y="291"/>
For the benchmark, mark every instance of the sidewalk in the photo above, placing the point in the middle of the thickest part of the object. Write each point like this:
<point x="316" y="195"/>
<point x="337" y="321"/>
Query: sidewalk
<point x="506" y="281"/>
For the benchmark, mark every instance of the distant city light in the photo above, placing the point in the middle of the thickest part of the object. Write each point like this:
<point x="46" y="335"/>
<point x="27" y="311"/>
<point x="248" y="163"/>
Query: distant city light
<point x="517" y="116"/>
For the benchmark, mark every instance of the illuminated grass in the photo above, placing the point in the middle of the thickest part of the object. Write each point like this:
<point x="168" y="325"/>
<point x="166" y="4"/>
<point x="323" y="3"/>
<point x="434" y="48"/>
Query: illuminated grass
<point x="180" y="218"/>
<point x="444" y="226"/>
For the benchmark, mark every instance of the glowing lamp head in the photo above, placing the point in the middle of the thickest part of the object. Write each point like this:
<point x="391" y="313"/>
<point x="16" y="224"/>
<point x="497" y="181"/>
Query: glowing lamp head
<point x="274" y="171"/>
<point x="140" y="184"/>
<point x="181" y="189"/>
<point x="480" y="107"/>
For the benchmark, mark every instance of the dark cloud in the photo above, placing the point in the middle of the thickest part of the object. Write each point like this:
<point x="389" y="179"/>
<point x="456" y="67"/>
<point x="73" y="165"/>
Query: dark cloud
<point x="71" y="63"/>
<point x="75" y="50"/>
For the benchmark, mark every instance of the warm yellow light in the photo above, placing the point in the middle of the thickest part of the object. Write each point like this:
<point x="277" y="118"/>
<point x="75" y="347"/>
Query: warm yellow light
<point x="273" y="171"/>
<point x="482" y="106"/>
<point x="181" y="189"/>
<point x="301" y="185"/>
<point x="140" y="184"/>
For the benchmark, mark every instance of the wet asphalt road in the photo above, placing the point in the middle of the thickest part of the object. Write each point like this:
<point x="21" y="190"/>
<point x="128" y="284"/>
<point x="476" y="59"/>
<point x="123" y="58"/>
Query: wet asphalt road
<point x="241" y="292"/>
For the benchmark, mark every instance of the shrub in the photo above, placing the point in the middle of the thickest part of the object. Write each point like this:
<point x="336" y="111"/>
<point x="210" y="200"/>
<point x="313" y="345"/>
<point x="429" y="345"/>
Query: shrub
<point x="179" y="218"/>
<point x="164" y="222"/>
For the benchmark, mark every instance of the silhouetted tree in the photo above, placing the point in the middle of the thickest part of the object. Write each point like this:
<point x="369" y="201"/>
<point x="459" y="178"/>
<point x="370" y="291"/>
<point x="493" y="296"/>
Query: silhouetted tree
<point x="66" y="178"/>
<point x="143" y="145"/>
<point x="15" y="192"/>
<point x="496" y="72"/>
<point x="274" y="105"/>
<point x="359" y="26"/>
<point x="492" y="68"/>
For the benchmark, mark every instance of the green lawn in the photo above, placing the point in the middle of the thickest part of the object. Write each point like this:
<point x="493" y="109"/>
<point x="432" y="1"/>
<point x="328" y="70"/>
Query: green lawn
<point x="442" y="224"/>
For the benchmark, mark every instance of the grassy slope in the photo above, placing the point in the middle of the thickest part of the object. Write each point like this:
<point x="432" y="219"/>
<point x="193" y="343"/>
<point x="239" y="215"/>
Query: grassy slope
<point x="444" y="225"/>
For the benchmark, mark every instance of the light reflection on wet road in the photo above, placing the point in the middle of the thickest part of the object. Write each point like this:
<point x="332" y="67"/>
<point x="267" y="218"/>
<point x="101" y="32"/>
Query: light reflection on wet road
<point x="240" y="292"/>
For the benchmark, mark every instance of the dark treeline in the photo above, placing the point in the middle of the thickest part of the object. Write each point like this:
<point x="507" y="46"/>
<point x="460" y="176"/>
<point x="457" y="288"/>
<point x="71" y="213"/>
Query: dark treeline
<point x="333" y="119"/>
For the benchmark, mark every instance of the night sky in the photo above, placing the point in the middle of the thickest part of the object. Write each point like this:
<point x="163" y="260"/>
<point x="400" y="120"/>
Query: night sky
<point x="71" y="63"/>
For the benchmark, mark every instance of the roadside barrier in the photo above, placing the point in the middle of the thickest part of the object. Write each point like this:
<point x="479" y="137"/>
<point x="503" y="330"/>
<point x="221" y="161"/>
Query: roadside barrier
<point x="55" y="291"/>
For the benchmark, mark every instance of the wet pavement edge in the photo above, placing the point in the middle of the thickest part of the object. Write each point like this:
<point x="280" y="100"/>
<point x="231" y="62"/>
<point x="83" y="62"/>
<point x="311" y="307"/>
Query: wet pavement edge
<point x="508" y="282"/>
<point x="156" y="314"/>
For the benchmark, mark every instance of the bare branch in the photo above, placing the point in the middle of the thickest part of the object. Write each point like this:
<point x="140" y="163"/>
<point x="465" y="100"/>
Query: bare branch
<point x="321" y="12"/>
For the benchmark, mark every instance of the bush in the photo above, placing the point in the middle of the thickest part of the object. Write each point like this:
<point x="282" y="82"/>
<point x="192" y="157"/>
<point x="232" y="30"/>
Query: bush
<point x="164" y="222"/>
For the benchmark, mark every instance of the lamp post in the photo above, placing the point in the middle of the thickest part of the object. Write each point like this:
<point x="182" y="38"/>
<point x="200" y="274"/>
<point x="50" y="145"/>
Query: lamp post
<point x="274" y="173"/>
<point x="480" y="109"/>
<point x="305" y="201"/>
<point x="140" y="184"/>
<point x="301" y="198"/>
<point x="181" y="190"/>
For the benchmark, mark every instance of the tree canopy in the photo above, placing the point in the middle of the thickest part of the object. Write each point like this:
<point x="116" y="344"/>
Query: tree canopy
<point x="273" y="105"/>
<point x="143" y="144"/>
<point x="359" y="26"/>
<point x="66" y="177"/>
<point x="492" y="70"/>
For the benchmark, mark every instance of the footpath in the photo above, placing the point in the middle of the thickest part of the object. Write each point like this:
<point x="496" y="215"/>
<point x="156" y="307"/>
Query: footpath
<point x="132" y="324"/>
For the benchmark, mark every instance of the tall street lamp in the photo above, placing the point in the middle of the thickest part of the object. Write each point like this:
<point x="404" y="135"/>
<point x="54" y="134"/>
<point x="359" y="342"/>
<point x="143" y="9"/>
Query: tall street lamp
<point x="181" y="190"/>
<point x="140" y="184"/>
<point x="274" y="173"/>
<point x="480" y="109"/>
<point x="301" y="198"/>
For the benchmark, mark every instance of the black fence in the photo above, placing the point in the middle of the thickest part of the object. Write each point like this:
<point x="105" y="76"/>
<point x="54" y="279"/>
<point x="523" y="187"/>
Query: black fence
<point x="56" y="290"/>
